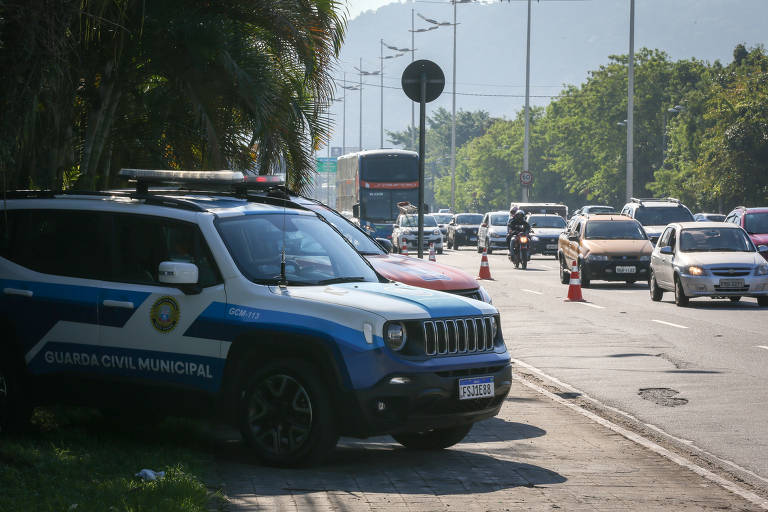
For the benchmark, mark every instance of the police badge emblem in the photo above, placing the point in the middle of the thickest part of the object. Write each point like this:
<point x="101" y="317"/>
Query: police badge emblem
<point x="164" y="314"/>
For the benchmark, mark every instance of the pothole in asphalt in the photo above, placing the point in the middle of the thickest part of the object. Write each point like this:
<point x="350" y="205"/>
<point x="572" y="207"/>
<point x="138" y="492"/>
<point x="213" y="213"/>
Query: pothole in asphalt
<point x="662" y="396"/>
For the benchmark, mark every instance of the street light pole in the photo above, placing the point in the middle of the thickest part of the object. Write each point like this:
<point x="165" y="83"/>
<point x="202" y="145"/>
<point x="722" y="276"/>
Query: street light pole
<point x="527" y="136"/>
<point x="453" y="117"/>
<point x="631" y="101"/>
<point x="360" y="139"/>
<point x="381" y="86"/>
<point x="413" y="56"/>
<point x="344" y="118"/>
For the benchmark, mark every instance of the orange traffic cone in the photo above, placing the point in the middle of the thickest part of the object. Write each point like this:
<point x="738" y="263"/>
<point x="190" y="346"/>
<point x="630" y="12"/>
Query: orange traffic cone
<point x="574" y="286"/>
<point x="485" y="272"/>
<point x="432" y="251"/>
<point x="404" y="248"/>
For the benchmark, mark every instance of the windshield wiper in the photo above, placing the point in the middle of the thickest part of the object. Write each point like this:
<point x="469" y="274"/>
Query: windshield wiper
<point x="337" y="280"/>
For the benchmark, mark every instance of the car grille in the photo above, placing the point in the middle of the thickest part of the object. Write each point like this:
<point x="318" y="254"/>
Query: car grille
<point x="744" y="289"/>
<point x="731" y="272"/>
<point x="458" y="336"/>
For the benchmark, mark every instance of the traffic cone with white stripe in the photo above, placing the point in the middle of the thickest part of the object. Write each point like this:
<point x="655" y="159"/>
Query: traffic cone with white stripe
<point x="404" y="248"/>
<point x="432" y="251"/>
<point x="485" y="271"/>
<point x="574" y="286"/>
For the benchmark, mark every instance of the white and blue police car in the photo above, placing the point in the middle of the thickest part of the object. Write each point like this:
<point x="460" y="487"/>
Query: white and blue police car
<point x="205" y="303"/>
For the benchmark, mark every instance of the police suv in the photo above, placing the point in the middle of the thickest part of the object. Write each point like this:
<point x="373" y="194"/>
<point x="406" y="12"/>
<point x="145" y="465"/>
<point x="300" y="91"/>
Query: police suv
<point x="212" y="303"/>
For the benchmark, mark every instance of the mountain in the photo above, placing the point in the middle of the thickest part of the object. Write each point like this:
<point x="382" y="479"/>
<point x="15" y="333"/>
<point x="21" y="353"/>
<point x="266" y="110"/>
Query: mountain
<point x="568" y="39"/>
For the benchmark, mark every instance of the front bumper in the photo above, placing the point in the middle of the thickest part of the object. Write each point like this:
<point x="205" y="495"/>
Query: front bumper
<point x="465" y="238"/>
<point x="606" y="270"/>
<point x="546" y="245"/>
<point x="498" y="242"/>
<point x="412" y="242"/>
<point x="426" y="401"/>
<point x="709" y="286"/>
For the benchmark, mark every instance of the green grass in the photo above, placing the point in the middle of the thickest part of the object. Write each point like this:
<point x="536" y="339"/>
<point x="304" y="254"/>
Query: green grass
<point x="75" y="460"/>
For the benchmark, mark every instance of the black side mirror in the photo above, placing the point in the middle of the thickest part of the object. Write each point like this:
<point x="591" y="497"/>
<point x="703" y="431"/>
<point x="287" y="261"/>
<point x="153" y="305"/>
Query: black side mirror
<point x="573" y="237"/>
<point x="666" y="250"/>
<point x="356" y="210"/>
<point x="385" y="244"/>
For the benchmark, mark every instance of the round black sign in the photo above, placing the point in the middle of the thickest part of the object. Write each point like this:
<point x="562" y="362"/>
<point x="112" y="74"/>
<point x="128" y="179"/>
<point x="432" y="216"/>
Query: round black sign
<point x="412" y="80"/>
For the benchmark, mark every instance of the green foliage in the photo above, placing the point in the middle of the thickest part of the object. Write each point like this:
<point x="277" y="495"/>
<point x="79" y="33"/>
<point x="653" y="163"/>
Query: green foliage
<point x="101" y="84"/>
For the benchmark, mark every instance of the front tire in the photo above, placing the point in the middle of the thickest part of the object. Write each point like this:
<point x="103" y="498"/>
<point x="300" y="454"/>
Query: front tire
<point x="680" y="298"/>
<point x="488" y="245"/>
<point x="585" y="280"/>
<point x="565" y="274"/>
<point x="524" y="258"/>
<point x="437" y="439"/>
<point x="656" y="292"/>
<point x="286" y="416"/>
<point x="762" y="301"/>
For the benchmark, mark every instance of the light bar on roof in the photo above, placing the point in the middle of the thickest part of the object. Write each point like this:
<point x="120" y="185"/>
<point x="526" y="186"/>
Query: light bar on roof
<point x="171" y="176"/>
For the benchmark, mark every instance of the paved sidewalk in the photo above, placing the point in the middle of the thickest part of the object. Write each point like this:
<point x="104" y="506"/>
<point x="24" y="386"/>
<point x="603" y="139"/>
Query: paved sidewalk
<point x="536" y="455"/>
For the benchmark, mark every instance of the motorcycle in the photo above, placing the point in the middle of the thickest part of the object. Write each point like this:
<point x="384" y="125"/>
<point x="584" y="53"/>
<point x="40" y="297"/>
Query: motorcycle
<point x="519" y="250"/>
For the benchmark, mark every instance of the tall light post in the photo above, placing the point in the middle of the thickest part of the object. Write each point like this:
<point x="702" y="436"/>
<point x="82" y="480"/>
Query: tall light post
<point x="361" y="72"/>
<point x="672" y="110"/>
<point x="401" y="52"/>
<point x="527" y="135"/>
<point x="631" y="102"/>
<point x="413" y="32"/>
<point x="344" y="117"/>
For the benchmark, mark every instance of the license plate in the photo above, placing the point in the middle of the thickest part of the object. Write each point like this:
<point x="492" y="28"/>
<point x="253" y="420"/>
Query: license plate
<point x="731" y="283"/>
<point x="475" y="387"/>
<point x="551" y="246"/>
<point x="630" y="269"/>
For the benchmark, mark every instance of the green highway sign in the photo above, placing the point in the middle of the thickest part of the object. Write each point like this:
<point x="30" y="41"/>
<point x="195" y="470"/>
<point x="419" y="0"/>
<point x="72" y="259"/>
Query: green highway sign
<point x="325" y="164"/>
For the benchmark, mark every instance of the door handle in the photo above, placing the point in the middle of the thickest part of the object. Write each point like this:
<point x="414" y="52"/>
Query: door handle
<point x="17" y="291"/>
<point x="118" y="304"/>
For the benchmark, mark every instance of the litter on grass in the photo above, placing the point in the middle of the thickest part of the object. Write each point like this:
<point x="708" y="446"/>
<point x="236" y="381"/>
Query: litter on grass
<point x="149" y="475"/>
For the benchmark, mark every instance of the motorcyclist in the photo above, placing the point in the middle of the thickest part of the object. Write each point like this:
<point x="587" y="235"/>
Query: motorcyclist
<point x="516" y="225"/>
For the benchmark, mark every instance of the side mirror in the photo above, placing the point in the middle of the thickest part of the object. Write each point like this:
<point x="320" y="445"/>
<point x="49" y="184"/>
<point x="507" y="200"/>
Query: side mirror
<point x="533" y="224"/>
<point x="666" y="250"/>
<point x="394" y="226"/>
<point x="484" y="225"/>
<point x="762" y="248"/>
<point x="573" y="237"/>
<point x="180" y="274"/>
<point x="356" y="210"/>
<point x="385" y="244"/>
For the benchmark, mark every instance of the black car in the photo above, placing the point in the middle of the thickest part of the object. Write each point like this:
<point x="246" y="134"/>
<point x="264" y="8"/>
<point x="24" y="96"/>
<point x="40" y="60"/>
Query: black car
<point x="545" y="231"/>
<point x="462" y="230"/>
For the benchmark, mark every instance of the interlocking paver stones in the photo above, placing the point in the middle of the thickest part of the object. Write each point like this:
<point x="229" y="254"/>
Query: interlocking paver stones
<point x="535" y="455"/>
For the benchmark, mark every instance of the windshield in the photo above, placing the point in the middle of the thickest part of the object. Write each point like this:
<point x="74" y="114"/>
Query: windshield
<point x="351" y="232"/>
<point x="614" y="230"/>
<point x="412" y="221"/>
<point x="756" y="222"/>
<point x="475" y="219"/>
<point x="711" y="217"/>
<point x="662" y="215"/>
<point x="540" y="221"/>
<point x="442" y="218"/>
<point x="597" y="209"/>
<point x="390" y="168"/>
<point x="499" y="220"/>
<point x="714" y="239"/>
<point x="315" y="254"/>
<point x="380" y="205"/>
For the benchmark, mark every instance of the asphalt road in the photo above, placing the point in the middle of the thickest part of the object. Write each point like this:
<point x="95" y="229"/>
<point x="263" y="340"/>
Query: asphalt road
<point x="697" y="373"/>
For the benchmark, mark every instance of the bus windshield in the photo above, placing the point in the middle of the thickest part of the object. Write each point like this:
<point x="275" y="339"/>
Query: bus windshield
<point x="390" y="169"/>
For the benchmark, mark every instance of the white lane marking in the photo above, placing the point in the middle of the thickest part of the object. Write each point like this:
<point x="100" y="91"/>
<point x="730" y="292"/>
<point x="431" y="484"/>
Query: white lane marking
<point x="761" y="346"/>
<point x="669" y="324"/>
<point x="591" y="305"/>
<point x="549" y="266"/>
<point x="531" y="291"/>
<point x="632" y="418"/>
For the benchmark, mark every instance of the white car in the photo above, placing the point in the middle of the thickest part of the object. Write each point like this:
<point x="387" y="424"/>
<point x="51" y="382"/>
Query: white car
<point x="492" y="233"/>
<point x="405" y="231"/>
<point x="258" y="314"/>
<point x="708" y="259"/>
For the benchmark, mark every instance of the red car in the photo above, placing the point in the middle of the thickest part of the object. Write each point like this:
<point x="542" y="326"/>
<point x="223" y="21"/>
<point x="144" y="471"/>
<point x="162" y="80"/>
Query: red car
<point x="755" y="223"/>
<point x="404" y="269"/>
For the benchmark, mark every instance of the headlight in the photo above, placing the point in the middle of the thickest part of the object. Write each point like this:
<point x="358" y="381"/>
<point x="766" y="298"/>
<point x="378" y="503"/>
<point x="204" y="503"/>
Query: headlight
<point x="436" y="232"/>
<point x="761" y="270"/>
<point x="484" y="296"/>
<point x="395" y="336"/>
<point x="693" y="270"/>
<point x="494" y="328"/>
<point x="644" y="258"/>
<point x="597" y="257"/>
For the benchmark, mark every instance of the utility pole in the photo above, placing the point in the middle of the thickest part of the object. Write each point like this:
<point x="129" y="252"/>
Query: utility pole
<point x="381" y="86"/>
<point x="413" y="56"/>
<point x="344" y="117"/>
<point x="360" y="140"/>
<point x="631" y="101"/>
<point x="527" y="136"/>
<point x="453" y="117"/>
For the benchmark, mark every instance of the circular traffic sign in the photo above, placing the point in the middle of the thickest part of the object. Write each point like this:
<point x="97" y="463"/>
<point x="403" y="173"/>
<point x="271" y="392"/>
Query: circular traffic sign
<point x="526" y="177"/>
<point x="433" y="75"/>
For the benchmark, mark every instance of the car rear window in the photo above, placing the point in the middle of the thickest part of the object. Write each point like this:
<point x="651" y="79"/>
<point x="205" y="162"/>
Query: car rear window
<point x="662" y="215"/>
<point x="756" y="222"/>
<point x="499" y="220"/>
<point x="618" y="230"/>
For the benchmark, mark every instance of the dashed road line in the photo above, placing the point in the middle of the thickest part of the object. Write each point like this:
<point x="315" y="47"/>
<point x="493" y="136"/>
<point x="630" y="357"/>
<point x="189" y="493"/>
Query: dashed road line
<point x="531" y="291"/>
<point x="590" y="305"/>
<point x="669" y="324"/>
<point x="761" y="346"/>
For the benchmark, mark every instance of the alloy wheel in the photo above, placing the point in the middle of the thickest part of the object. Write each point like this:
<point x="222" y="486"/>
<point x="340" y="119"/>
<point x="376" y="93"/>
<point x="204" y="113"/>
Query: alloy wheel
<point x="280" y="414"/>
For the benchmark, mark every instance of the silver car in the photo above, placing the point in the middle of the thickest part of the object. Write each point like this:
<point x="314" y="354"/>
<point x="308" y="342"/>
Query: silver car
<point x="708" y="259"/>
